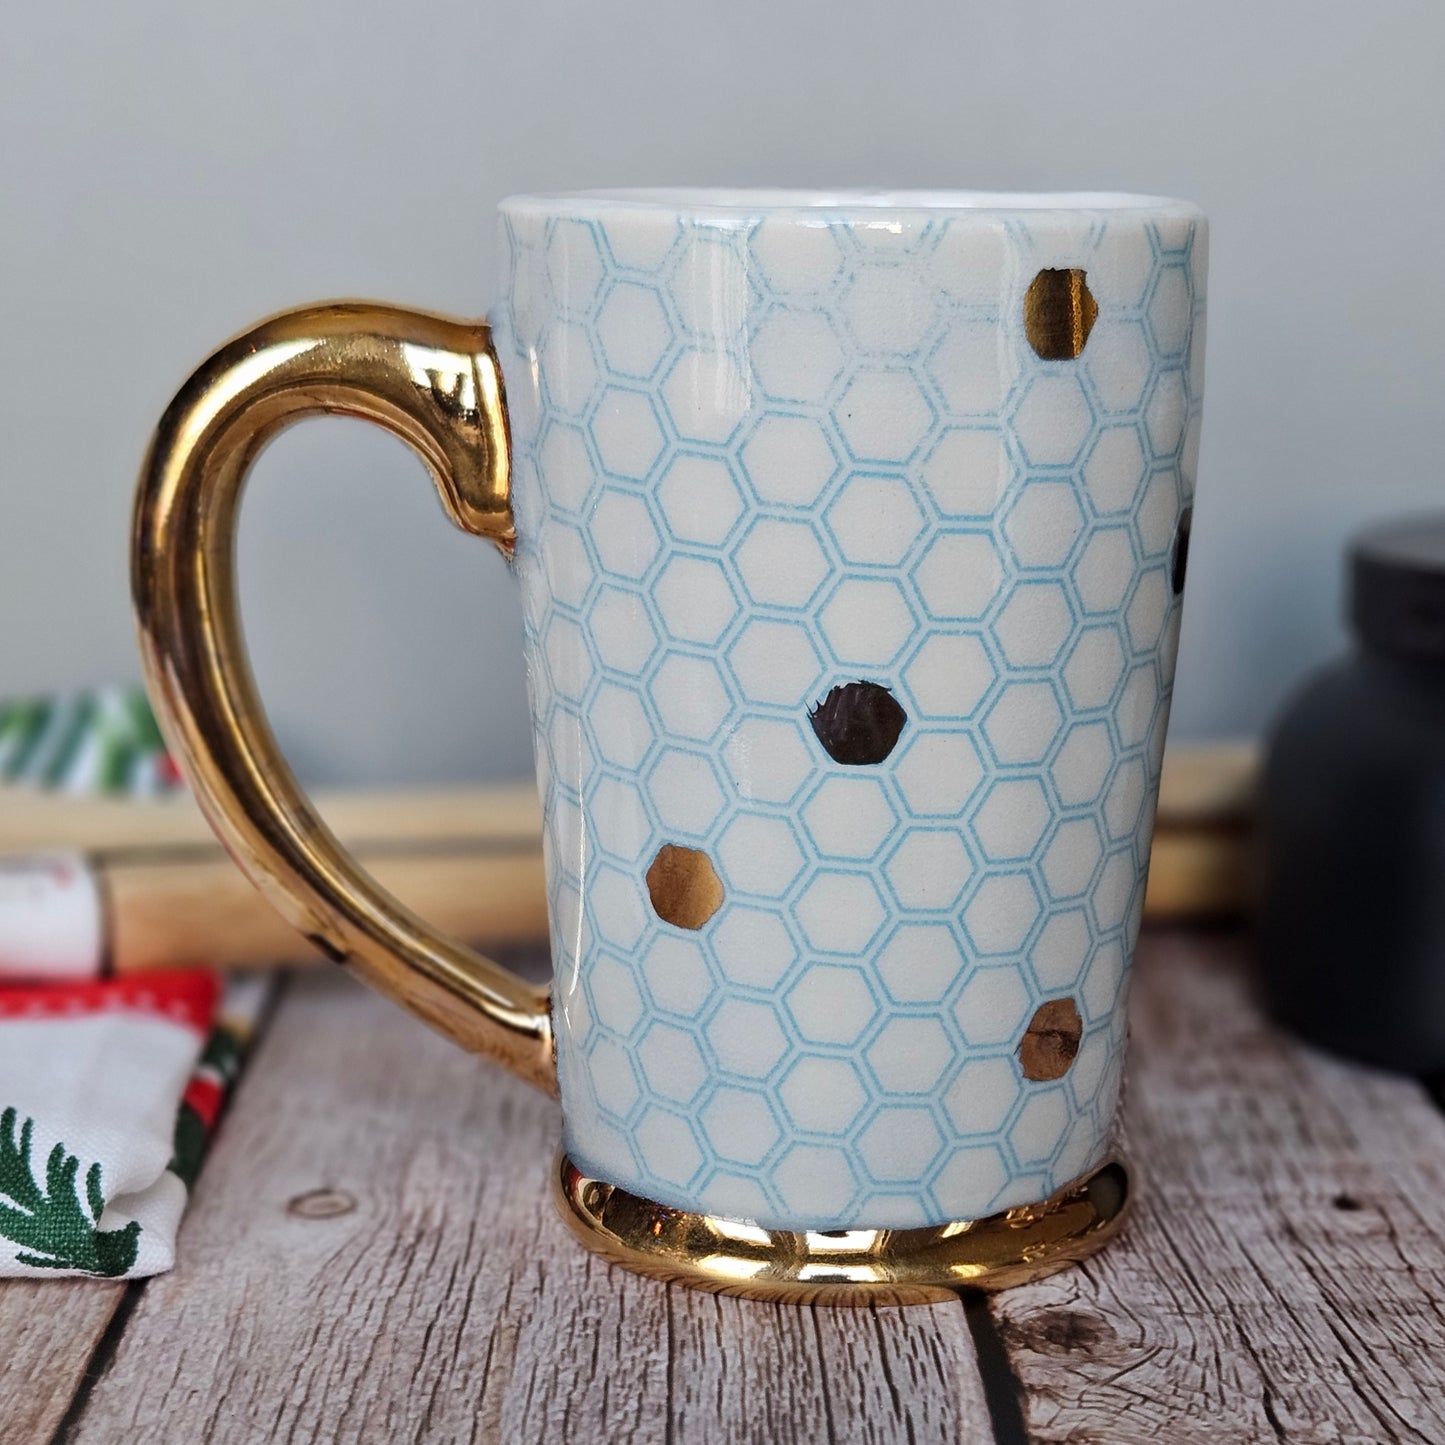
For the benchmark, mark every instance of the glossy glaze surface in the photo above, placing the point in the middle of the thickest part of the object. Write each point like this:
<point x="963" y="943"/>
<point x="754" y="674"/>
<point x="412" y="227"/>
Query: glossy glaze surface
<point x="763" y="452"/>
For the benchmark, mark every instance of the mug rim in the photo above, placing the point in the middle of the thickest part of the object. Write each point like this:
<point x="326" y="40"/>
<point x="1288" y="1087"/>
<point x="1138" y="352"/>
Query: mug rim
<point x="827" y="205"/>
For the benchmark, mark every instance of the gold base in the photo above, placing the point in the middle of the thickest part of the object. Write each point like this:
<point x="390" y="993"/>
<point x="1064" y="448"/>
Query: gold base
<point x="845" y="1267"/>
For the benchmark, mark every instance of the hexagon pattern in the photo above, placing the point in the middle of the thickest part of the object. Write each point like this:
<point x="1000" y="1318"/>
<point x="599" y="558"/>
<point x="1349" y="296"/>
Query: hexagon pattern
<point x="760" y="456"/>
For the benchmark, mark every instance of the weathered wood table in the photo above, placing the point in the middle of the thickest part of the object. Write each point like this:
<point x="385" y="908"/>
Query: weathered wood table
<point x="371" y="1255"/>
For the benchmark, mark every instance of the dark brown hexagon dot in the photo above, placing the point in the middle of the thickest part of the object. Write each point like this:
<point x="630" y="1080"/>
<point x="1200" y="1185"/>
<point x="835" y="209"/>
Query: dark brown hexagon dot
<point x="1047" y="1049"/>
<point x="1179" y="558"/>
<point x="1059" y="313"/>
<point x="684" y="886"/>
<point x="858" y="723"/>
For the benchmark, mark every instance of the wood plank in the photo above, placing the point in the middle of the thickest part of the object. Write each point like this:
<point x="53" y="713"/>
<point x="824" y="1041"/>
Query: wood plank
<point x="49" y="1332"/>
<point x="1210" y="785"/>
<point x="743" y="1371"/>
<point x="1200" y="874"/>
<point x="1202" y="865"/>
<point x="33" y="820"/>
<point x="178" y="898"/>
<point x="1284" y="1277"/>
<point x="171" y="914"/>
<point x="371" y="1254"/>
<point x="168" y="911"/>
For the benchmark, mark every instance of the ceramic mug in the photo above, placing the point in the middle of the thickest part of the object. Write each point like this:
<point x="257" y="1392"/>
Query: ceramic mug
<point x="851" y="531"/>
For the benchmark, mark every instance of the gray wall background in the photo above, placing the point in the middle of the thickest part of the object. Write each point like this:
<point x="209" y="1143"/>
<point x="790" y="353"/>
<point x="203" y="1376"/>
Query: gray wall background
<point x="169" y="172"/>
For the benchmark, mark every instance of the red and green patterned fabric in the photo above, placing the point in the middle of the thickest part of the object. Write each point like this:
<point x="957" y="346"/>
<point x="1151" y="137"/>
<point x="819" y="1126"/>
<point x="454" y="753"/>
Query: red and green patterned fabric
<point x="110" y="1088"/>
<point x="108" y="1094"/>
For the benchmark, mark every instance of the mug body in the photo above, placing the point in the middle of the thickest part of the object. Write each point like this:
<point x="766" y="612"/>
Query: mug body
<point x="851" y="538"/>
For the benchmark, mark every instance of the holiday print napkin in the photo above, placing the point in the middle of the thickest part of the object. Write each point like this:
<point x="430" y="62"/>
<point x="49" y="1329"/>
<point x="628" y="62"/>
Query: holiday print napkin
<point x="108" y="1093"/>
<point x="109" y="1087"/>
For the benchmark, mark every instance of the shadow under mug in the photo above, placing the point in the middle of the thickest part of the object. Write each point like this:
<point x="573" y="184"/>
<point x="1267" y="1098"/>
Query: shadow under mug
<point x="851" y="532"/>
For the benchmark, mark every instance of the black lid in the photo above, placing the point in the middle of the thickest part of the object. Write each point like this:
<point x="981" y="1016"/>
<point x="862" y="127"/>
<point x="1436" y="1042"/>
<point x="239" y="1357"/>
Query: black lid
<point x="1397" y="586"/>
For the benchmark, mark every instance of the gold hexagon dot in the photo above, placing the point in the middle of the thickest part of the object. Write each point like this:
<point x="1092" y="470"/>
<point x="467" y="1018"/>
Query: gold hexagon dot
<point x="684" y="886"/>
<point x="1047" y="1049"/>
<point x="1059" y="313"/>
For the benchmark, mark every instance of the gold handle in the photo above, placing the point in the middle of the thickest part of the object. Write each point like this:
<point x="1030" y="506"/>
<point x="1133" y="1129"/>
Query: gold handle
<point x="434" y="383"/>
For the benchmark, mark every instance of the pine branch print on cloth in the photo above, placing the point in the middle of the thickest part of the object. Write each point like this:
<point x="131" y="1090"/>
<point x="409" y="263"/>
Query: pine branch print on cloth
<point x="120" y="1140"/>
<point x="53" y="1227"/>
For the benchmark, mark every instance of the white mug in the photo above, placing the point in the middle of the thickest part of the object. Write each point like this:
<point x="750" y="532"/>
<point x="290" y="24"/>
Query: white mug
<point x="851" y="532"/>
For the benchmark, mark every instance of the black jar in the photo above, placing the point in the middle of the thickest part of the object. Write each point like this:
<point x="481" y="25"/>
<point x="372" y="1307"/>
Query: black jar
<point x="1352" y="817"/>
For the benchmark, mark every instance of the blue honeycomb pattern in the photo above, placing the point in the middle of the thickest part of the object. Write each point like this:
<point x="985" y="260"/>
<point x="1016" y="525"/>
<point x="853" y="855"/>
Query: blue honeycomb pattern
<point x="760" y="455"/>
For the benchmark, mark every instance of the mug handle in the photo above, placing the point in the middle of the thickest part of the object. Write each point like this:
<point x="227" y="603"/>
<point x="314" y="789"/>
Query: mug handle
<point x="435" y="383"/>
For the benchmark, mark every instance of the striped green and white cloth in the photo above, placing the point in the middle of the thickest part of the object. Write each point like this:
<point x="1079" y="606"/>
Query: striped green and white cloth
<point x="104" y="740"/>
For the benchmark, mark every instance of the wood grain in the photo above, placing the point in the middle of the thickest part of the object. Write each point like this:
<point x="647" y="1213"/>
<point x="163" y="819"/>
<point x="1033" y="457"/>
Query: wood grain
<point x="1284" y="1277"/>
<point x="171" y="914"/>
<point x="371" y="1255"/>
<point x="49" y="1331"/>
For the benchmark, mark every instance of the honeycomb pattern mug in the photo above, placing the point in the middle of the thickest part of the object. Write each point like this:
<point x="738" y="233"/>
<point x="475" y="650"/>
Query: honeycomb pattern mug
<point x="850" y="531"/>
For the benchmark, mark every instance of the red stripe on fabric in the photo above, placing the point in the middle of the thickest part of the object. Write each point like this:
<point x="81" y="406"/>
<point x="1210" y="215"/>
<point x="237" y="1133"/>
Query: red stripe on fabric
<point x="187" y="997"/>
<point x="204" y="1096"/>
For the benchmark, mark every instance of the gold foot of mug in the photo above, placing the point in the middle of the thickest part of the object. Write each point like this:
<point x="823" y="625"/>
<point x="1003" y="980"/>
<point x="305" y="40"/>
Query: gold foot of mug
<point x="845" y="1266"/>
